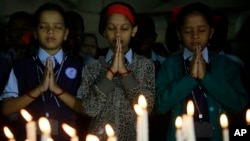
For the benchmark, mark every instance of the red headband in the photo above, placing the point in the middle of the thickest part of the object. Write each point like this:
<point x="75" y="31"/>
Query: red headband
<point x="121" y="9"/>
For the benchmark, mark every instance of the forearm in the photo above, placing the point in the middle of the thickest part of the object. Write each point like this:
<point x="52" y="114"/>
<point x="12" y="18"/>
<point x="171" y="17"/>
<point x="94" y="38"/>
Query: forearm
<point x="12" y="105"/>
<point x="72" y="102"/>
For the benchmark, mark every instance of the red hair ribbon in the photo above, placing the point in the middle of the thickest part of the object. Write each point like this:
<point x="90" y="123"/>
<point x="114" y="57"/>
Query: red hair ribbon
<point x="217" y="17"/>
<point x="121" y="9"/>
<point x="174" y="13"/>
<point x="26" y="38"/>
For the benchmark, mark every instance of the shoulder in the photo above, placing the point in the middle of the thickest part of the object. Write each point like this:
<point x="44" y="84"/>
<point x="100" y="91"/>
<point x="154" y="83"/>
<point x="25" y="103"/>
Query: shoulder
<point x="139" y="59"/>
<point x="95" y="63"/>
<point x="173" y="59"/>
<point x="25" y="60"/>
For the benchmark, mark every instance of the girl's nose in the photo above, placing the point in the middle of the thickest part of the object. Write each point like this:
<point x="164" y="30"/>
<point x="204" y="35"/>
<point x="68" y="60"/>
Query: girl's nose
<point x="195" y="35"/>
<point x="50" y="30"/>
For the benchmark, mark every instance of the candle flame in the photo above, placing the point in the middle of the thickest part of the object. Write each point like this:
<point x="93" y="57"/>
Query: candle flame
<point x="142" y="101"/>
<point x="248" y="116"/>
<point x="178" y="122"/>
<point x="44" y="125"/>
<point x="50" y="139"/>
<point x="109" y="130"/>
<point x="8" y="133"/>
<point x="138" y="109"/>
<point x="190" y="108"/>
<point x="223" y="121"/>
<point x="69" y="130"/>
<point x="91" y="137"/>
<point x="26" y="115"/>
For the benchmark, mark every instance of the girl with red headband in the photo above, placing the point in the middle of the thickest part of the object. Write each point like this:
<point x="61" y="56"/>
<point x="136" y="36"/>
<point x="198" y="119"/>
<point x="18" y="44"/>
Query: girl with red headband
<point x="113" y="82"/>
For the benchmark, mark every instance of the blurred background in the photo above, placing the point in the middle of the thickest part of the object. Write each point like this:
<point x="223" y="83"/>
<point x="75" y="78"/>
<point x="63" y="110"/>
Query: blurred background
<point x="159" y="10"/>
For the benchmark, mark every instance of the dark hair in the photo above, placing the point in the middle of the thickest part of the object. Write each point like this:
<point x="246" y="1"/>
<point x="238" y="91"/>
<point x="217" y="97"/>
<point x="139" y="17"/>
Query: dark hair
<point x="193" y="8"/>
<point x="146" y="26"/>
<point x="46" y="7"/>
<point x="72" y="18"/>
<point x="103" y="17"/>
<point x="20" y="15"/>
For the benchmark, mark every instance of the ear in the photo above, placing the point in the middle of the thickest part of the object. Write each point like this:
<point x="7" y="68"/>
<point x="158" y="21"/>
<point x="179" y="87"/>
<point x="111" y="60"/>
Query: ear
<point x="211" y="33"/>
<point x="178" y="34"/>
<point x="35" y="33"/>
<point x="134" y="30"/>
<point x="104" y="34"/>
<point x="66" y="34"/>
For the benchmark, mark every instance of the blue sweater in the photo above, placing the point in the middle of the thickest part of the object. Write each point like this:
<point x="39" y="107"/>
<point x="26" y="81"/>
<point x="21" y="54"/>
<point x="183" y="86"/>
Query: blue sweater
<point x="26" y="71"/>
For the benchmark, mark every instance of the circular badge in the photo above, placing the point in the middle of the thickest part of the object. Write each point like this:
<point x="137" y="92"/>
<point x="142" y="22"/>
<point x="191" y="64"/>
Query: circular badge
<point x="71" y="72"/>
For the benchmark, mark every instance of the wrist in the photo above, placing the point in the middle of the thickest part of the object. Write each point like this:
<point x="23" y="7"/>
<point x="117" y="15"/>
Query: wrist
<point x="125" y="73"/>
<point x="111" y="71"/>
<point x="28" y="93"/>
<point x="61" y="92"/>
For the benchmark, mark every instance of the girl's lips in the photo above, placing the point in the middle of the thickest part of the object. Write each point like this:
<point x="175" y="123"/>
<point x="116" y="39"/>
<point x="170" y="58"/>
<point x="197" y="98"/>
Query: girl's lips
<point x="51" y="39"/>
<point x="195" y="44"/>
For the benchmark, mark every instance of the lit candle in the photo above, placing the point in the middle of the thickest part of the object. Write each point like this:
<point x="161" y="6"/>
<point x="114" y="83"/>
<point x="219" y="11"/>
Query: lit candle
<point x="45" y="128"/>
<point x="188" y="122"/>
<point x="143" y="104"/>
<point x="110" y="132"/>
<point x="30" y="126"/>
<point x="224" y="126"/>
<point x="178" y="125"/>
<point x="8" y="133"/>
<point x="139" y="112"/>
<point x="70" y="131"/>
<point x="248" y="116"/>
<point x="91" y="137"/>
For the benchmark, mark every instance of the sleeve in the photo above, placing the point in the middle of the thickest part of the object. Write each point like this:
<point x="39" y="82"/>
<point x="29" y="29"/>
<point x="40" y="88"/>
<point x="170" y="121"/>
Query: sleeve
<point x="94" y="89"/>
<point x="140" y="81"/>
<point x="11" y="89"/>
<point x="226" y="87"/>
<point x="172" y="85"/>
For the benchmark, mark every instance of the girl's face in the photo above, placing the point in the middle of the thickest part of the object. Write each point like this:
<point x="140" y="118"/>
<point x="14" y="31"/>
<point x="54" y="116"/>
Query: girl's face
<point x="195" y="32"/>
<point x="119" y="25"/>
<point x="89" y="46"/>
<point x="51" y="31"/>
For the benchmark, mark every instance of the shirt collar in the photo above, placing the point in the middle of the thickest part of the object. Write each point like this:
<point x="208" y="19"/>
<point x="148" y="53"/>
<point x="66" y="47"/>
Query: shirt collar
<point x="188" y="54"/>
<point x="43" y="55"/>
<point x="128" y="55"/>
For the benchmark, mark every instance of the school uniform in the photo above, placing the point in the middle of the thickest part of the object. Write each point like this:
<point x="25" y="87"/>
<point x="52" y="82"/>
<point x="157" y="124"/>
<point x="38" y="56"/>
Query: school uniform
<point x="112" y="101"/>
<point x="27" y="74"/>
<point x="222" y="82"/>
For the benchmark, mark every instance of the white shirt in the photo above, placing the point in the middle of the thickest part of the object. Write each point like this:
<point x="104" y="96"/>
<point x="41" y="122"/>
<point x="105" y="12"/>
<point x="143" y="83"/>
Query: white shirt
<point x="128" y="55"/>
<point x="188" y="54"/>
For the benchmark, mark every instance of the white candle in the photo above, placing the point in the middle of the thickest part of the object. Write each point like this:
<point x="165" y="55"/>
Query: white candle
<point x="188" y="123"/>
<point x="8" y="134"/>
<point x="139" y="112"/>
<point x="248" y="116"/>
<point x="143" y="103"/>
<point x="110" y="132"/>
<point x="30" y="126"/>
<point x="45" y="128"/>
<point x="91" y="137"/>
<point x="178" y="125"/>
<point x="224" y="126"/>
<point x="70" y="131"/>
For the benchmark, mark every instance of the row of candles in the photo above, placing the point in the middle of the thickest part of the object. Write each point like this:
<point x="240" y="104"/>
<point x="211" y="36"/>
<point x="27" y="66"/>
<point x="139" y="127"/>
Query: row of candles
<point x="44" y="126"/>
<point x="45" y="129"/>
<point x="185" y="125"/>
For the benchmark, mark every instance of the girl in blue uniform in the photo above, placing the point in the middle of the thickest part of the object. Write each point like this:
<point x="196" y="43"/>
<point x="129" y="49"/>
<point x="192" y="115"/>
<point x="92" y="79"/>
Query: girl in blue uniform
<point x="45" y="83"/>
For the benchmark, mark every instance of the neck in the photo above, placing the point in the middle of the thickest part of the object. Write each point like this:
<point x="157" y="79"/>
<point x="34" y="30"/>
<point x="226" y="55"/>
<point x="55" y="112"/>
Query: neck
<point x="52" y="51"/>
